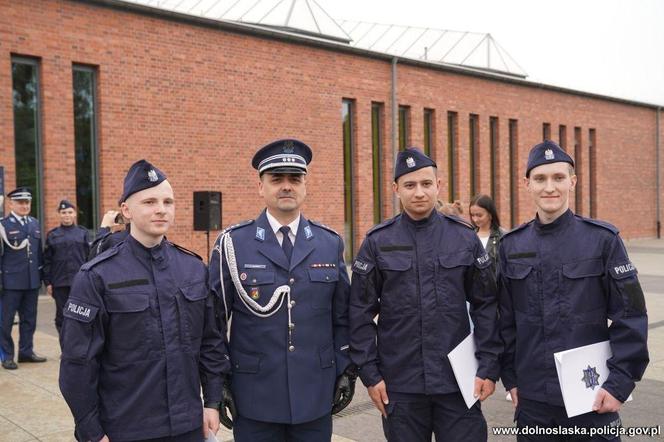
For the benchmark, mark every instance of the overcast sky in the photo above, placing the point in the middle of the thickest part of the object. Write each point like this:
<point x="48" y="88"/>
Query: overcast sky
<point x="610" y="47"/>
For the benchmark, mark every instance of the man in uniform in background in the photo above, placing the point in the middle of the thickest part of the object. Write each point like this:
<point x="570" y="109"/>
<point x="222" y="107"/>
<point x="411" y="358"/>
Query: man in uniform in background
<point x="139" y="336"/>
<point x="67" y="248"/>
<point x="416" y="271"/>
<point x="562" y="277"/>
<point x="21" y="260"/>
<point x="283" y="280"/>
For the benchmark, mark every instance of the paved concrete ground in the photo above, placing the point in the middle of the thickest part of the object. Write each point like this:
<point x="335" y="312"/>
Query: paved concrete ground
<point x="32" y="408"/>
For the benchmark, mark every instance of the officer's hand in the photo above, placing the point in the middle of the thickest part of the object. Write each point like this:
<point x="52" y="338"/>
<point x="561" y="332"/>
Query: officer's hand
<point x="104" y="439"/>
<point x="227" y="402"/>
<point x="515" y="396"/>
<point x="210" y="421"/>
<point x="343" y="392"/>
<point x="483" y="388"/>
<point x="49" y="289"/>
<point x="109" y="218"/>
<point x="378" y="394"/>
<point x="605" y="402"/>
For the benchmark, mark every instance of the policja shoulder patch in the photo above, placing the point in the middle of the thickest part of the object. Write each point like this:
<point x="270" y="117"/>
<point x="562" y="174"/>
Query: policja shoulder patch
<point x="80" y="311"/>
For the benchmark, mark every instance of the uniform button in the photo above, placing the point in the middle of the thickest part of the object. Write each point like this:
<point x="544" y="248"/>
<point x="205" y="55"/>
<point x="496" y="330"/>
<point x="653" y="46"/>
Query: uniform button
<point x="30" y="261"/>
<point x="253" y="280"/>
<point x="291" y="348"/>
<point x="291" y="326"/>
<point x="292" y="303"/>
<point x="327" y="278"/>
<point x="291" y="281"/>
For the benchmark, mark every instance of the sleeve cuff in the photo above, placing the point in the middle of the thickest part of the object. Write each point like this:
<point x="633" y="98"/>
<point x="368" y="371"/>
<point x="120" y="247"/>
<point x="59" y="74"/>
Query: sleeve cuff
<point x="619" y="387"/>
<point x="370" y="375"/>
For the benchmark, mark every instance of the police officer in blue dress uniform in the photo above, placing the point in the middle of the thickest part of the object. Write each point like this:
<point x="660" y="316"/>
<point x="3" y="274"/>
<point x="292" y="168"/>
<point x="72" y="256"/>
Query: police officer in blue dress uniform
<point x="286" y="288"/>
<point x="67" y="248"/>
<point x="416" y="271"/>
<point x="140" y="336"/>
<point x="21" y="261"/>
<point x="562" y="277"/>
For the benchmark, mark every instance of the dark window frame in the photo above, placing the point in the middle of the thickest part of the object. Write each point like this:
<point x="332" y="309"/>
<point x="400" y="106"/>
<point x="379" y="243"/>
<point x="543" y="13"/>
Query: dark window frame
<point x="377" y="139"/>
<point x="514" y="167"/>
<point x="494" y="143"/>
<point x="474" y="152"/>
<point x="429" y="132"/>
<point x="348" y="142"/>
<point x="452" y="154"/>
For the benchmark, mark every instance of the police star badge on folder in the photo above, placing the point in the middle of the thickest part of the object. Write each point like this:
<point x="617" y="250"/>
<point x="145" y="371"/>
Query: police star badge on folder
<point x="591" y="377"/>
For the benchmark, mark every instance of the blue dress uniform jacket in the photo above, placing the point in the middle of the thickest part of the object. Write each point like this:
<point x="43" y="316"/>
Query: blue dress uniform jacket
<point x="140" y="337"/>
<point x="277" y="377"/>
<point x="21" y="269"/>
<point x="559" y="283"/>
<point x="417" y="276"/>
<point x="67" y="248"/>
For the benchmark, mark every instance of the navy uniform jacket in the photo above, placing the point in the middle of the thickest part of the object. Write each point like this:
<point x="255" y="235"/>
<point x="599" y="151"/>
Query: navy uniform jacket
<point x="140" y="337"/>
<point x="559" y="283"/>
<point x="106" y="239"/>
<point x="21" y="269"/>
<point x="270" y="383"/>
<point x="67" y="248"/>
<point x="417" y="276"/>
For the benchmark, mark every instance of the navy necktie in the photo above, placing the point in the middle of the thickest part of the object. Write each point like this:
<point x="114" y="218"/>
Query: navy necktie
<point x="286" y="244"/>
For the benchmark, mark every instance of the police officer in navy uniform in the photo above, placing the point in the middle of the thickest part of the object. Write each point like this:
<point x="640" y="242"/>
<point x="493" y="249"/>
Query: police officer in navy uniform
<point x="139" y="336"/>
<point x="21" y="261"/>
<point x="562" y="277"/>
<point x="67" y="248"/>
<point x="286" y="288"/>
<point x="417" y="271"/>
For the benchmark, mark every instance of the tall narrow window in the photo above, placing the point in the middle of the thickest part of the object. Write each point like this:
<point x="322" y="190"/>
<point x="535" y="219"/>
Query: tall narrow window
<point x="473" y="138"/>
<point x="514" y="168"/>
<point x="377" y="158"/>
<point x="452" y="152"/>
<point x="85" y="141"/>
<point x="592" y="175"/>
<point x="562" y="136"/>
<point x="404" y="126"/>
<point x="546" y="131"/>
<point x="493" y="140"/>
<point x="578" y="157"/>
<point x="348" y="126"/>
<point x="27" y="134"/>
<point x="428" y="132"/>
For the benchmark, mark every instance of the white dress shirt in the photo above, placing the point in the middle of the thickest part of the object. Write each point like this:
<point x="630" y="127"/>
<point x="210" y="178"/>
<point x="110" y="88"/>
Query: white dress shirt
<point x="276" y="226"/>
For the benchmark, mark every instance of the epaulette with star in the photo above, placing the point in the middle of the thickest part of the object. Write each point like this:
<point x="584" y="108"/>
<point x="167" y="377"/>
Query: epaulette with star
<point x="323" y="226"/>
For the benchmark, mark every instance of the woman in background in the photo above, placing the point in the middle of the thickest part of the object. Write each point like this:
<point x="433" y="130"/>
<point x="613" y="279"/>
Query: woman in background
<point x="484" y="217"/>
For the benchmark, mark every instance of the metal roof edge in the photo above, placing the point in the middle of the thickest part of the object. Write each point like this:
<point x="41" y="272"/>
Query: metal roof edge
<point x="309" y="40"/>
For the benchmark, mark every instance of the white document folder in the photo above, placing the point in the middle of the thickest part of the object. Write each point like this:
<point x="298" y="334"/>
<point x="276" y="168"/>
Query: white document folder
<point x="465" y="365"/>
<point x="581" y="373"/>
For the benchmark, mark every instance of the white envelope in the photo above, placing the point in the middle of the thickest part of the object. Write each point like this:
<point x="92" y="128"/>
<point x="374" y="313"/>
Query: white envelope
<point x="581" y="373"/>
<point x="465" y="365"/>
<point x="211" y="437"/>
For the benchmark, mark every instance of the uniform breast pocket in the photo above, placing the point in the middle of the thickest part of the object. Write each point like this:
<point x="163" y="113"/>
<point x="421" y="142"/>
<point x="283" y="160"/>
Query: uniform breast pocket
<point x="582" y="292"/>
<point x="399" y="286"/>
<point x="523" y="286"/>
<point x="450" y="278"/>
<point x="192" y="310"/>
<point x="323" y="282"/>
<point x="129" y="320"/>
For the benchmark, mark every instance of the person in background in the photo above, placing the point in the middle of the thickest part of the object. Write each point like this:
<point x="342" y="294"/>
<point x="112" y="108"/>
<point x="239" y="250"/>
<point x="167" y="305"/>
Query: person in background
<point x="21" y="261"/>
<point x="484" y="217"/>
<point x="67" y="248"/>
<point x="113" y="230"/>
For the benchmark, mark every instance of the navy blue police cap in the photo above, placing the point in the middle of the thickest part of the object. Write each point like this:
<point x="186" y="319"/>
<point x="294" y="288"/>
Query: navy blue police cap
<point x="141" y="175"/>
<point x="545" y="153"/>
<point x="409" y="160"/>
<point x="283" y="156"/>
<point x="65" y="204"/>
<point x="21" y="193"/>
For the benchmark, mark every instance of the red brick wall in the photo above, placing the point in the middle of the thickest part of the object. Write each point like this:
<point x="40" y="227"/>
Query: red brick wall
<point x="199" y="101"/>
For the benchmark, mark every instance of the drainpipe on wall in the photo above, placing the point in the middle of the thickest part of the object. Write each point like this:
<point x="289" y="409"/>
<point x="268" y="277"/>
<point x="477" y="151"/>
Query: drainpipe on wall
<point x="395" y="147"/>
<point x="659" y="190"/>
